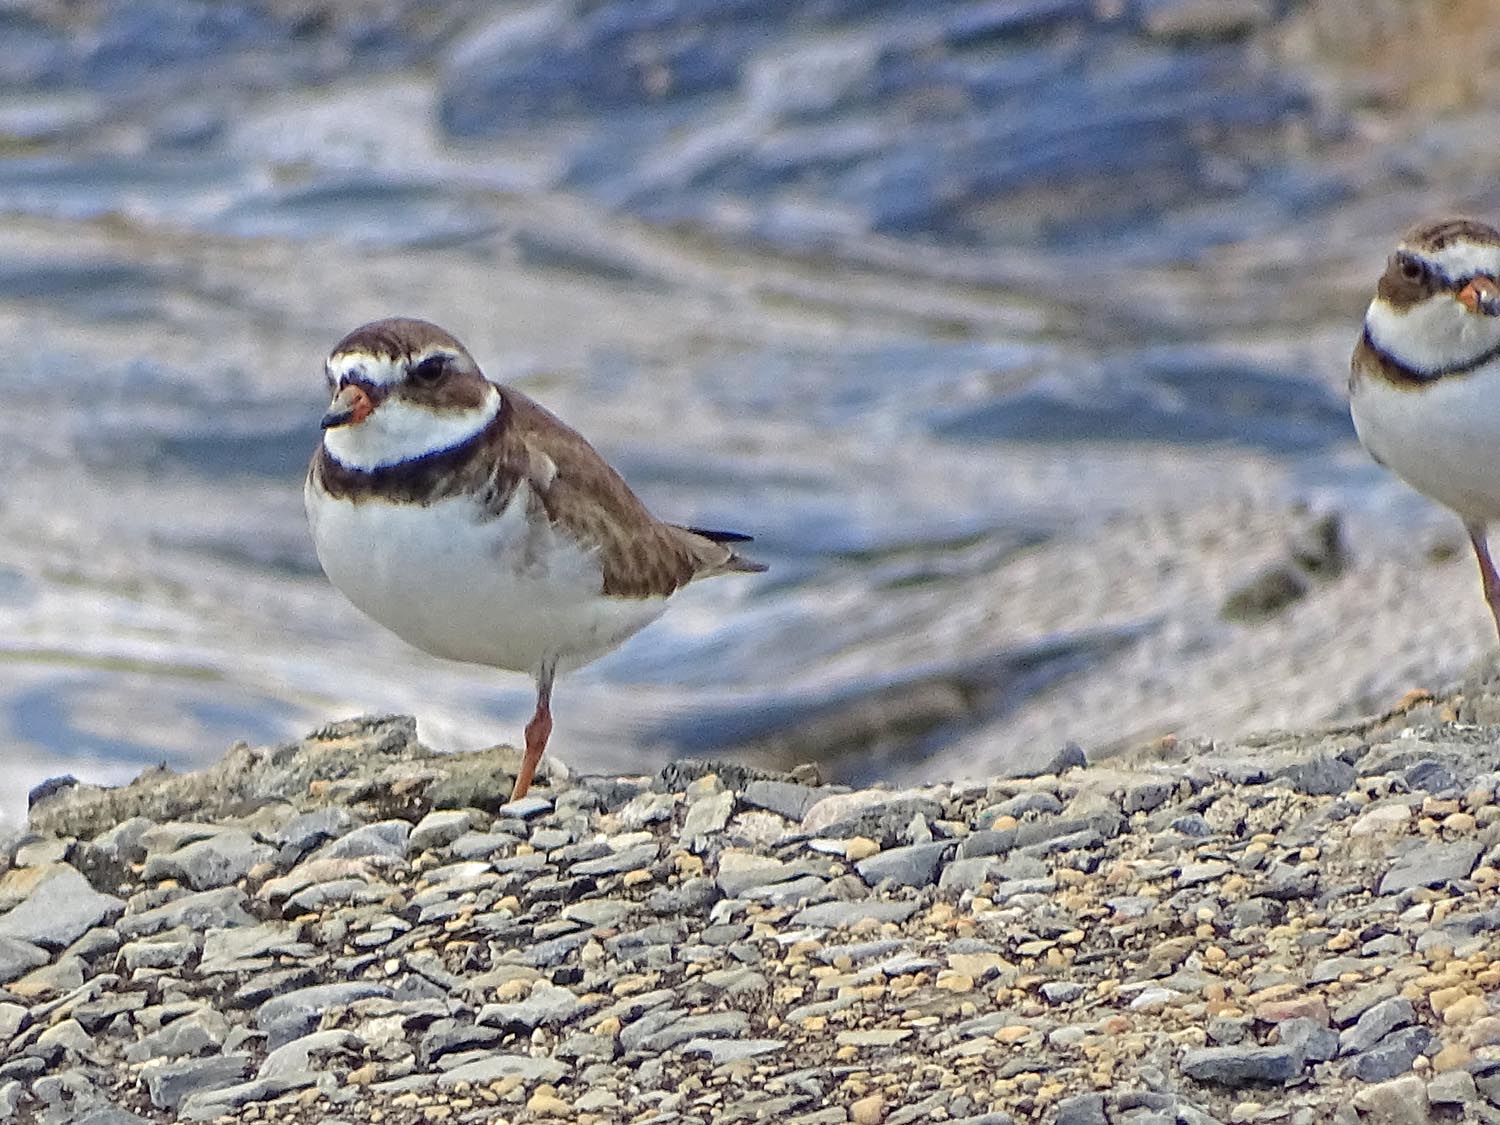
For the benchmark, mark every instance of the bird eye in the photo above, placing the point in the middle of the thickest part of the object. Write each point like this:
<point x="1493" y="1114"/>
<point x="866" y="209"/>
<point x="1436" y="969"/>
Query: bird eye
<point x="431" y="369"/>
<point x="1412" y="269"/>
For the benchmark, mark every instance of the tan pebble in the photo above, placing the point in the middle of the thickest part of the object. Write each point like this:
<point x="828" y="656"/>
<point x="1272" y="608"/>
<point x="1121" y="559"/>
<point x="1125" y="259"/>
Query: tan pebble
<point x="437" y="1112"/>
<point x="860" y="847"/>
<point x="1245" y="1111"/>
<point x="363" y="1075"/>
<point x="636" y="878"/>
<point x="1459" y="822"/>
<point x="1344" y="939"/>
<point x="687" y="865"/>
<point x="1466" y="1010"/>
<point x="1213" y="955"/>
<point x="815" y="1023"/>
<point x="1451" y="1057"/>
<point x="868" y="1111"/>
<point x="609" y="1025"/>
<point x="1013" y="1033"/>
<point x="548" y="1105"/>
<point x="1444" y="998"/>
<point x="949" y="981"/>
<point x="846" y="1053"/>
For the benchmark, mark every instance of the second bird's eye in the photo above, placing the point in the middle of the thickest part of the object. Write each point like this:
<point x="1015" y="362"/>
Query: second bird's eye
<point x="1411" y="268"/>
<point x="431" y="369"/>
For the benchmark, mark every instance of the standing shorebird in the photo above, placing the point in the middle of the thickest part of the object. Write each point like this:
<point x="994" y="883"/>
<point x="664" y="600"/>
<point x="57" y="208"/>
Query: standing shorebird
<point x="475" y="525"/>
<point x="1424" y="384"/>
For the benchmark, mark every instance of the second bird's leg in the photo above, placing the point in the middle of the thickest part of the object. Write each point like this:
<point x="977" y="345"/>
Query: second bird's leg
<point x="537" y="732"/>
<point x="1487" y="573"/>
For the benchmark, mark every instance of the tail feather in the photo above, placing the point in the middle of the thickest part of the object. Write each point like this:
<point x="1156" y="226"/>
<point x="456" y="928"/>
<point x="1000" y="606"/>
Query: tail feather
<point x="713" y="553"/>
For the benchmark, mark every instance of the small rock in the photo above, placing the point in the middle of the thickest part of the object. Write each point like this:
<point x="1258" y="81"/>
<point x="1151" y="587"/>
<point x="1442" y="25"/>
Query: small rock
<point x="1241" y="1066"/>
<point x="1402" y="1101"/>
<point x="915" y="865"/>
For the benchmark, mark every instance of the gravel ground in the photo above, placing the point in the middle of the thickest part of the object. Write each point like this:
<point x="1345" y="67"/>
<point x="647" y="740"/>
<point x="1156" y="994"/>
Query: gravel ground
<point x="1295" y="928"/>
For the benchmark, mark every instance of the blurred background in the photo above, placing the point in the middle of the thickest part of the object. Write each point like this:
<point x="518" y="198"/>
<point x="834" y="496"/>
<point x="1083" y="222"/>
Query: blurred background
<point x="1015" y="332"/>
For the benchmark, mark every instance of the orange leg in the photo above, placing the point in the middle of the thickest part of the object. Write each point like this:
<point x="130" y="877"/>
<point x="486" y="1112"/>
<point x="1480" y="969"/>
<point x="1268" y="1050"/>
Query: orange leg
<point x="1487" y="573"/>
<point x="537" y="733"/>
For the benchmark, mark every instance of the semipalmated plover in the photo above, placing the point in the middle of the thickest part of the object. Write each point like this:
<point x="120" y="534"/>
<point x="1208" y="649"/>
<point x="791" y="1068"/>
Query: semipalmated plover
<point x="1424" y="384"/>
<point x="475" y="525"/>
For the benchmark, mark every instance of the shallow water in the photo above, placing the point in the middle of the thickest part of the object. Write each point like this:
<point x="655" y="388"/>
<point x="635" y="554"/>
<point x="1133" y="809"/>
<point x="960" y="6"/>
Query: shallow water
<point x="1005" y="448"/>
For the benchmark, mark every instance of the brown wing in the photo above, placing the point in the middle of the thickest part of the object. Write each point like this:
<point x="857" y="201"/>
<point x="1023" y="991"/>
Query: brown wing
<point x="639" y="555"/>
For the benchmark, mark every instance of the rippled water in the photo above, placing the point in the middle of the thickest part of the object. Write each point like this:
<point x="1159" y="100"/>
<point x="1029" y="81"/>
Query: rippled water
<point x="1008" y="413"/>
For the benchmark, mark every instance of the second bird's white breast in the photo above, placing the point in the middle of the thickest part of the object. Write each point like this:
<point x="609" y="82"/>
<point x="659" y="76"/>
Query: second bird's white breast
<point x="507" y="591"/>
<point x="1442" y="438"/>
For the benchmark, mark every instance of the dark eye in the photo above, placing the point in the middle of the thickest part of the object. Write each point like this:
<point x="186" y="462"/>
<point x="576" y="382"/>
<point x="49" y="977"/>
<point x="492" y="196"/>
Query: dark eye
<point x="430" y="370"/>
<point x="1412" y="269"/>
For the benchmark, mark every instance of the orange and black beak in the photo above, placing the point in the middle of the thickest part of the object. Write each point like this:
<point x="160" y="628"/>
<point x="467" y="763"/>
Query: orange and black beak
<point x="1481" y="295"/>
<point x="352" y="404"/>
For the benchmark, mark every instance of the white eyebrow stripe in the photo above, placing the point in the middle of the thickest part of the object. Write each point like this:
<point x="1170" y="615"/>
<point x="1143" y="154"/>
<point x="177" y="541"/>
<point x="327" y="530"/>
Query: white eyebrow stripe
<point x="1463" y="259"/>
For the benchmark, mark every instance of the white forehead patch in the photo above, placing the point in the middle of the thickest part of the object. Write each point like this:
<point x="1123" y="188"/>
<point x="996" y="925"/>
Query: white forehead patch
<point x="1463" y="259"/>
<point x="398" y="431"/>
<point x="377" y="370"/>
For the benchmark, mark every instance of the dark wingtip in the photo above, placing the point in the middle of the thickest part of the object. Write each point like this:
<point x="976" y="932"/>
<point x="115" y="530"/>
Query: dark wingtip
<point x="721" y="536"/>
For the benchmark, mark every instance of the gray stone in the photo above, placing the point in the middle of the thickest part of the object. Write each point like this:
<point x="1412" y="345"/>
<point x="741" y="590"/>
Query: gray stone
<point x="1147" y="796"/>
<point x="1082" y="1109"/>
<point x="707" y="815"/>
<point x="715" y="1025"/>
<point x="59" y="910"/>
<point x="785" y="798"/>
<point x="218" y="861"/>
<point x="1393" y="1055"/>
<point x="170" y="1083"/>
<point x="1193" y="874"/>
<point x="200" y="1033"/>
<point x="482" y="845"/>
<point x="646" y="809"/>
<point x="969" y="874"/>
<point x="306" y="1053"/>
<point x="1316" y="1042"/>
<point x="1062" y="991"/>
<point x="245" y="948"/>
<point x="616" y="863"/>
<point x="208" y="1104"/>
<point x="1036" y="801"/>
<point x="1322" y="776"/>
<point x="529" y="806"/>
<point x="312" y="828"/>
<point x="221" y="908"/>
<point x="1360" y="1001"/>
<point x="836" y="915"/>
<point x="1431" y="865"/>
<point x="740" y="871"/>
<point x="154" y="953"/>
<point x="732" y="1050"/>
<point x="915" y="865"/>
<point x="1242" y="1066"/>
<point x="17" y="958"/>
<point x="547" y="1006"/>
<point x="878" y="815"/>
<point x="438" y="829"/>
<point x="1375" y="1023"/>
<point x="986" y="843"/>
<point x="494" y="1067"/>
<point x="1452" y="1087"/>
<point x="13" y="1017"/>
<point x="385" y="838"/>
<point x="294" y="1014"/>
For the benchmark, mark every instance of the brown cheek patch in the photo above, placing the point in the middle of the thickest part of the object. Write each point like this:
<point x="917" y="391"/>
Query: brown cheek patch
<point x="456" y="391"/>
<point x="1401" y="292"/>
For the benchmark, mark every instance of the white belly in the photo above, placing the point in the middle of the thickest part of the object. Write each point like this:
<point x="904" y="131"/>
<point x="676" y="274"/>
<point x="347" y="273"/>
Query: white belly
<point x="502" y="591"/>
<point x="1443" y="440"/>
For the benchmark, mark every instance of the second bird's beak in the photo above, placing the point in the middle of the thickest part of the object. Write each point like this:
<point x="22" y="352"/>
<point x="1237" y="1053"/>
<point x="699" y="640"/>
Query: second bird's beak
<point x="1481" y="295"/>
<point x="351" y="404"/>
